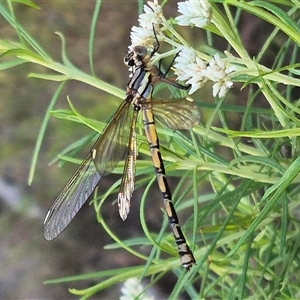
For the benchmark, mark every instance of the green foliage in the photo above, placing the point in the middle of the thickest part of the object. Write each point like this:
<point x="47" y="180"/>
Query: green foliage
<point x="241" y="192"/>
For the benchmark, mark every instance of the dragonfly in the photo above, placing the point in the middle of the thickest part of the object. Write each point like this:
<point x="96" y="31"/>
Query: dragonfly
<point x="118" y="140"/>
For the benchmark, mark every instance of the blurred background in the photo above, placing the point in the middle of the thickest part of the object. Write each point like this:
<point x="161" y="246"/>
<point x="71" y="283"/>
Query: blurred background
<point x="27" y="260"/>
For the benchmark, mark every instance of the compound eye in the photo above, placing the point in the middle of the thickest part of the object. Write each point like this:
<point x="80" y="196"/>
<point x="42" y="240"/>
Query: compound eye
<point x="140" y="51"/>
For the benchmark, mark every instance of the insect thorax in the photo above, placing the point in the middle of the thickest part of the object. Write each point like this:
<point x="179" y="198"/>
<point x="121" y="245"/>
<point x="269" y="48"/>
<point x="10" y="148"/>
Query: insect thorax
<point x="140" y="84"/>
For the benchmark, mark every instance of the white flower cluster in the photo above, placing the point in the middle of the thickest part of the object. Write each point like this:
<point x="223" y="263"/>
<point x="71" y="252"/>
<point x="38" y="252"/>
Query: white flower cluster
<point x="194" y="13"/>
<point x="195" y="71"/>
<point x="189" y="67"/>
<point x="132" y="289"/>
<point x="151" y="19"/>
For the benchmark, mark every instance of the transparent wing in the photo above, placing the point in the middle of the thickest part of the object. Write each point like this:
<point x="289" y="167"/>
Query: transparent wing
<point x="178" y="113"/>
<point x="102" y="159"/>
<point x="71" y="198"/>
<point x="113" y="143"/>
<point x="127" y="184"/>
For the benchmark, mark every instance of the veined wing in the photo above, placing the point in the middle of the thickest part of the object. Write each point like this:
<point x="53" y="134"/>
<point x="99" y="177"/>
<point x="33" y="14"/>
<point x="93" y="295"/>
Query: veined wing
<point x="178" y="113"/>
<point x="102" y="159"/>
<point x="112" y="145"/>
<point x="71" y="198"/>
<point x="127" y="184"/>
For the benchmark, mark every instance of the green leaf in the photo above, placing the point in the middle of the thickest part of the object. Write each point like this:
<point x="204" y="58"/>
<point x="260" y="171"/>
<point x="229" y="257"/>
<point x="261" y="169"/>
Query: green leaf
<point x="24" y="54"/>
<point x="95" y="125"/>
<point x="42" y="133"/>
<point x="278" y="12"/>
<point x="260" y="134"/>
<point x="10" y="64"/>
<point x="64" y="55"/>
<point x="272" y="14"/>
<point x="273" y="195"/>
<point x="48" y="76"/>
<point x="28" y="3"/>
<point x="93" y="34"/>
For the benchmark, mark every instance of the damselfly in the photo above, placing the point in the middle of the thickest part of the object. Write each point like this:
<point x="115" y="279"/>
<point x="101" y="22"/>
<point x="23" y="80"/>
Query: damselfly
<point x="119" y="139"/>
